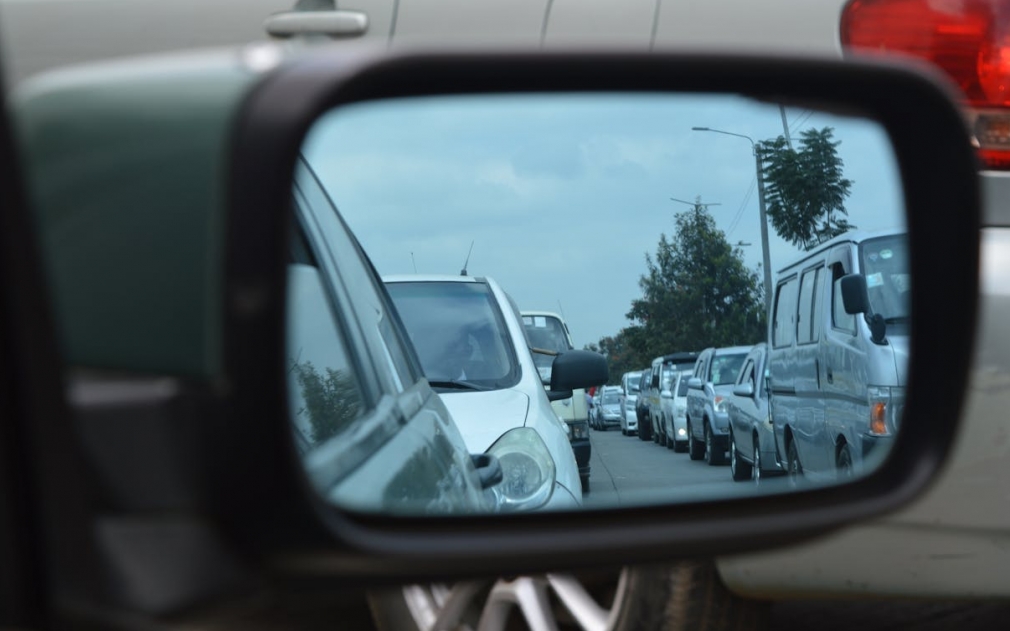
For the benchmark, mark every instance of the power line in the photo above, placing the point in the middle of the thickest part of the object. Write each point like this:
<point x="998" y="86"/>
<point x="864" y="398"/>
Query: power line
<point x="743" y="206"/>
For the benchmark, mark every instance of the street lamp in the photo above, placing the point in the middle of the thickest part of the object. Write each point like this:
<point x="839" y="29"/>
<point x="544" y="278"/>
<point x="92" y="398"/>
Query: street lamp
<point x="761" y="204"/>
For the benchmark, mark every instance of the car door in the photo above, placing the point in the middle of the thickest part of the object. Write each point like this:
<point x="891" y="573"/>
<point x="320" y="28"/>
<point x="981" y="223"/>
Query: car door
<point x="353" y="375"/>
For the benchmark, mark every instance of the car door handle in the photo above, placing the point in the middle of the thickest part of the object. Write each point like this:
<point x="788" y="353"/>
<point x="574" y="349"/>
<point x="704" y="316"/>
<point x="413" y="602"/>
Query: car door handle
<point x="488" y="469"/>
<point x="336" y="24"/>
<point x="831" y="376"/>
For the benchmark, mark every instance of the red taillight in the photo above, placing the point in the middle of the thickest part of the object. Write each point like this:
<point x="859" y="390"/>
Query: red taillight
<point x="967" y="39"/>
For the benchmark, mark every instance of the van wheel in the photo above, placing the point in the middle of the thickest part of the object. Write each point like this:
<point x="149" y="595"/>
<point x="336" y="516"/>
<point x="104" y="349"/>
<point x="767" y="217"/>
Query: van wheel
<point x="695" y="447"/>
<point x="684" y="595"/>
<point x="843" y="462"/>
<point x="737" y="467"/>
<point x="793" y="467"/>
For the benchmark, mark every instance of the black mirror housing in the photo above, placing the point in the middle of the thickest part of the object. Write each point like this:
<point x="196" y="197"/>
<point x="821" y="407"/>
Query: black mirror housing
<point x="854" y="295"/>
<point x="578" y="369"/>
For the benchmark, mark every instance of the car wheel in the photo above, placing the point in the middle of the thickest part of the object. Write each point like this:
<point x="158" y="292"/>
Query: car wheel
<point x="671" y="443"/>
<point x="686" y="595"/>
<point x="643" y="431"/>
<point x="843" y="462"/>
<point x="711" y="457"/>
<point x="793" y="466"/>
<point x="584" y="479"/>
<point x="756" y="469"/>
<point x="739" y="469"/>
<point x="696" y="448"/>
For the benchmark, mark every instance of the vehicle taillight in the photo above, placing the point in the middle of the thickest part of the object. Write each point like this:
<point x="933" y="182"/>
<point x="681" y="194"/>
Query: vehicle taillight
<point x="967" y="39"/>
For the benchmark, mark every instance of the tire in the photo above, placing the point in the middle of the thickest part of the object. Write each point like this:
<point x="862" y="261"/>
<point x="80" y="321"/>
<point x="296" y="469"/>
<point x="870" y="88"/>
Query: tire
<point x="684" y="595"/>
<point x="756" y="473"/>
<point x="643" y="433"/>
<point x="739" y="469"/>
<point x="843" y="462"/>
<point x="624" y="432"/>
<point x="713" y="459"/>
<point x="695" y="447"/>
<point x="671" y="443"/>
<point x="584" y="479"/>
<point x="794" y="469"/>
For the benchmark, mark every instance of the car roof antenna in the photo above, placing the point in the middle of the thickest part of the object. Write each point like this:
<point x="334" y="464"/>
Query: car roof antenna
<point x="462" y="272"/>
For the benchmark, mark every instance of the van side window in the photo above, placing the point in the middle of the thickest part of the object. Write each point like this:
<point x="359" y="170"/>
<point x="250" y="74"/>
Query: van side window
<point x="785" y="314"/>
<point x="839" y="319"/>
<point x="806" y="318"/>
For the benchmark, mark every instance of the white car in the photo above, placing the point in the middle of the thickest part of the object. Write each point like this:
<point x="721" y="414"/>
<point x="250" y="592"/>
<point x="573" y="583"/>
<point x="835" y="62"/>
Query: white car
<point x="470" y="340"/>
<point x="673" y="402"/>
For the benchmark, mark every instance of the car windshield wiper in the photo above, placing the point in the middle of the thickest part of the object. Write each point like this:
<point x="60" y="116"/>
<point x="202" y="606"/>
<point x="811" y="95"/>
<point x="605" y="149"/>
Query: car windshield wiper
<point x="456" y="384"/>
<point x="897" y="320"/>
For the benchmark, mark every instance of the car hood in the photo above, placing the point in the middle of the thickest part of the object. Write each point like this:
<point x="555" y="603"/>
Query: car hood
<point x="482" y="417"/>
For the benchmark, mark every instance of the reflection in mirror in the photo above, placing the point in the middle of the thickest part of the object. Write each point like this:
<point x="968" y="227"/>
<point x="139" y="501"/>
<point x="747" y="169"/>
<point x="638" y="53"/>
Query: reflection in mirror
<point x="746" y="284"/>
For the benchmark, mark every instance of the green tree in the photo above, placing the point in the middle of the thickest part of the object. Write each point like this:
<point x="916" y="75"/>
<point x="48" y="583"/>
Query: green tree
<point x="805" y="188"/>
<point x="332" y="401"/>
<point x="696" y="292"/>
<point x="622" y="352"/>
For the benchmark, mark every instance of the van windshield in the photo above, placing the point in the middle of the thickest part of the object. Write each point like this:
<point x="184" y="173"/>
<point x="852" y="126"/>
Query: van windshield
<point x="885" y="265"/>
<point x="547" y="333"/>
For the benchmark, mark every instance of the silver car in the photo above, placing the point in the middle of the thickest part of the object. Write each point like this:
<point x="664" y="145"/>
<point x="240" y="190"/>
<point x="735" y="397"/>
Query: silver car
<point x="751" y="433"/>
<point x="708" y="399"/>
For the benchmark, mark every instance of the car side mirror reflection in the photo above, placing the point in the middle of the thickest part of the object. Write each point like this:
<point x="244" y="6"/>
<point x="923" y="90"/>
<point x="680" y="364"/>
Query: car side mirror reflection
<point x="576" y="369"/>
<point x="744" y="390"/>
<point x="694" y="383"/>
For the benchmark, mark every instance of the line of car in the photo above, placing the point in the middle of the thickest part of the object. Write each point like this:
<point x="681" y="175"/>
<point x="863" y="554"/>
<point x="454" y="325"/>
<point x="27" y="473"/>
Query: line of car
<point x="820" y="399"/>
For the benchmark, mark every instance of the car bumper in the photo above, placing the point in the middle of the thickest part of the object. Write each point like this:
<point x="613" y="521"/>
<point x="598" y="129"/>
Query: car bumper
<point x="630" y="421"/>
<point x="583" y="450"/>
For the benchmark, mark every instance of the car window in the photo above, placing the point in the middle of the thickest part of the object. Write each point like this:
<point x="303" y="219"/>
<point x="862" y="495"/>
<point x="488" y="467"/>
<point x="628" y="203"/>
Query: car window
<point x="839" y="319"/>
<point x="806" y="317"/>
<point x="784" y="314"/>
<point x="725" y="368"/>
<point x="342" y="252"/>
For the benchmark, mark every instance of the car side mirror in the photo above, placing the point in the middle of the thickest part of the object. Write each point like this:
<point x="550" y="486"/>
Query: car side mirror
<point x="576" y="369"/>
<point x="666" y="394"/>
<point x="695" y="383"/>
<point x="744" y="389"/>
<point x="854" y="295"/>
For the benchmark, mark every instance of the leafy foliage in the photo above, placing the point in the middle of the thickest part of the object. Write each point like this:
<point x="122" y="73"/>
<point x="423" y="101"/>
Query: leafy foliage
<point x="332" y="401"/>
<point x="805" y="189"/>
<point x="625" y="352"/>
<point x="697" y="293"/>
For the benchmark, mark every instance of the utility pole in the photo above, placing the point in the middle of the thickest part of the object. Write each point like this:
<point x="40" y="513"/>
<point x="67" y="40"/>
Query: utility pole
<point x="696" y="204"/>
<point x="785" y="127"/>
<point x="766" y="263"/>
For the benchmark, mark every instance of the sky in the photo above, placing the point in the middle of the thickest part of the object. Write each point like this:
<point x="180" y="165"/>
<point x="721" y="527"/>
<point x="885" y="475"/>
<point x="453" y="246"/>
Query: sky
<point x="562" y="196"/>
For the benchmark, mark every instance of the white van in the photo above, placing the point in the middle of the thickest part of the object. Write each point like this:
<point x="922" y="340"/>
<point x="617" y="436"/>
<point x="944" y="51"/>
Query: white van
<point x="838" y="353"/>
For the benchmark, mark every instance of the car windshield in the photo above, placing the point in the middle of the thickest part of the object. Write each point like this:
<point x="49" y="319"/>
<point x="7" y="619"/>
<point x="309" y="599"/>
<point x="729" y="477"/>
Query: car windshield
<point x="888" y="282"/>
<point x="458" y="332"/>
<point x="611" y="398"/>
<point x="725" y="368"/>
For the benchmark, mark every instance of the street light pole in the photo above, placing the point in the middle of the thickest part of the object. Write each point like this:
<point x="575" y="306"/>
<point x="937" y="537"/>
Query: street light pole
<point x="766" y="263"/>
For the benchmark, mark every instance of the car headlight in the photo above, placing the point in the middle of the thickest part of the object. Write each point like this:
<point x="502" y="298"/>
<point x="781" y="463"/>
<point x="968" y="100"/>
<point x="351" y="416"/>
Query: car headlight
<point x="528" y="471"/>
<point x="721" y="404"/>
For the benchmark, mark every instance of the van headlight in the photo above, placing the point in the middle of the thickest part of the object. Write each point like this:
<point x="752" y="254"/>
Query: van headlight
<point x="528" y="471"/>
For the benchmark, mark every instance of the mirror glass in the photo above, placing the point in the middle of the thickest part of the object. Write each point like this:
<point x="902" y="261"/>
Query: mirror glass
<point x="521" y="241"/>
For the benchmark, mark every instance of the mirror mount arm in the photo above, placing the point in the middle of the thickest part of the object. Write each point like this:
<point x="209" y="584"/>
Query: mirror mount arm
<point x="558" y="395"/>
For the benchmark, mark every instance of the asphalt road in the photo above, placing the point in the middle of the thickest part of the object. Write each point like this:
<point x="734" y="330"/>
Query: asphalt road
<point x="625" y="470"/>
